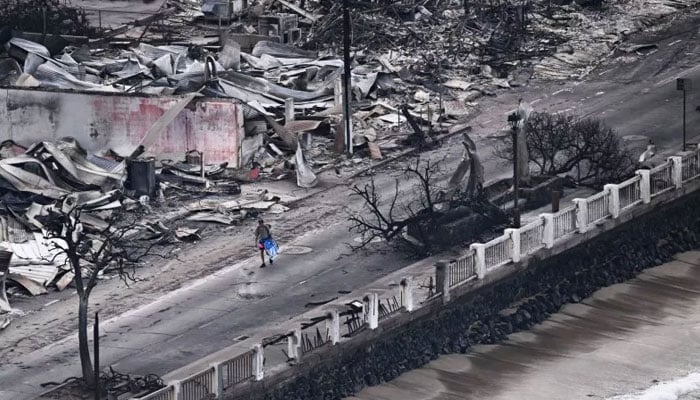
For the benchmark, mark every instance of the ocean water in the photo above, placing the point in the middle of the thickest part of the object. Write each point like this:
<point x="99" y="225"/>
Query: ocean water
<point x="683" y="388"/>
<point x="639" y="340"/>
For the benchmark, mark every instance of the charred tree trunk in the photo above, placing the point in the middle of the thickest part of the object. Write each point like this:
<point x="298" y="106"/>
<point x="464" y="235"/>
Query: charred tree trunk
<point x="85" y="362"/>
<point x="88" y="253"/>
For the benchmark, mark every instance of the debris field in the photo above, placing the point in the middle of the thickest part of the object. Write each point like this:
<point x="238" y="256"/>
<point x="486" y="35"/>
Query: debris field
<point x="418" y="71"/>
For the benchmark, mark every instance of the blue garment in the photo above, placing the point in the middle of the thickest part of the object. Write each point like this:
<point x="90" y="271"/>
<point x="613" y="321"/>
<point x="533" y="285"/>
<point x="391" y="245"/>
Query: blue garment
<point x="270" y="247"/>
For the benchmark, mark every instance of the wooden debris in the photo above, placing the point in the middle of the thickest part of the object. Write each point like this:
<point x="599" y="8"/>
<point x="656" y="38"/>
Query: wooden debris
<point x="305" y="14"/>
<point x="31" y="286"/>
<point x="65" y="280"/>
<point x="374" y="151"/>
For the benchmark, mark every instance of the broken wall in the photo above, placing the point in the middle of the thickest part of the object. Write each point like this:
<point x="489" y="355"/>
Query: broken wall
<point x="113" y="121"/>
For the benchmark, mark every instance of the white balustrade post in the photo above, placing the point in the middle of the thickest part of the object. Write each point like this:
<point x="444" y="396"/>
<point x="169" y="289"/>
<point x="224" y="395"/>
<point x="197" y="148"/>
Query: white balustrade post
<point x="294" y="344"/>
<point x="297" y="343"/>
<point x="177" y="390"/>
<point x="515" y="240"/>
<point x="548" y="231"/>
<point x="442" y="277"/>
<point x="479" y="259"/>
<point x="334" y="328"/>
<point x="373" y="320"/>
<point x="581" y="215"/>
<point x="676" y="171"/>
<point x="614" y="200"/>
<point x="291" y="347"/>
<point x="258" y="362"/>
<point x="644" y="185"/>
<point x="288" y="110"/>
<point x="218" y="389"/>
<point x="407" y="293"/>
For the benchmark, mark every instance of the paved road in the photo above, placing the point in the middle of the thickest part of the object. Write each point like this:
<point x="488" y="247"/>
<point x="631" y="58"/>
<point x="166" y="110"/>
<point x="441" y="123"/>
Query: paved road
<point x="641" y="98"/>
<point x="200" y="319"/>
<point x="192" y="322"/>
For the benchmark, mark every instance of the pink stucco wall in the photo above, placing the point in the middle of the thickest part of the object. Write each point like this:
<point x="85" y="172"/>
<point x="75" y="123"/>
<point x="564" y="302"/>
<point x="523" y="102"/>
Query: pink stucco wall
<point x="101" y="122"/>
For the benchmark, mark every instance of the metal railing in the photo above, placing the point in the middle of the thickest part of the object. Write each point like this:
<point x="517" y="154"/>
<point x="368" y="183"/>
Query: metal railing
<point x="564" y="222"/>
<point x="691" y="166"/>
<point x="598" y="207"/>
<point x="390" y="305"/>
<point x="499" y="251"/>
<point x="661" y="179"/>
<point x="238" y="369"/>
<point x="630" y="192"/>
<point x="463" y="269"/>
<point x="354" y="322"/>
<point x="166" y="393"/>
<point x="313" y="337"/>
<point x="532" y="237"/>
<point x="198" y="387"/>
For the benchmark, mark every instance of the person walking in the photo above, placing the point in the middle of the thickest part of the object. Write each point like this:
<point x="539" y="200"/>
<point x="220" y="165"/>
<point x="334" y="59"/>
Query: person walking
<point x="263" y="239"/>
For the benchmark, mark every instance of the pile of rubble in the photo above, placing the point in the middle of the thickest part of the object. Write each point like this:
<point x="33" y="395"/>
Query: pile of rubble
<point x="50" y="176"/>
<point x="418" y="69"/>
<point x="53" y="14"/>
<point x="553" y="41"/>
<point x="288" y="91"/>
<point x="435" y="58"/>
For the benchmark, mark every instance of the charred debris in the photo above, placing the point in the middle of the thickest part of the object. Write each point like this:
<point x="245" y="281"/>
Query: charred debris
<point x="418" y="69"/>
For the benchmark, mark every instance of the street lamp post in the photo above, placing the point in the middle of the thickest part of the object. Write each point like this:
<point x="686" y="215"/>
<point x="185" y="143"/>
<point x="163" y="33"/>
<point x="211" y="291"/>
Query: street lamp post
<point x="347" y="112"/>
<point x="513" y="121"/>
<point x="96" y="342"/>
<point x="683" y="84"/>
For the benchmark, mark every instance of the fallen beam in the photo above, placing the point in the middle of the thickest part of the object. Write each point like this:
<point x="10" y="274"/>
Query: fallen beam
<point x="411" y="121"/>
<point x="299" y="11"/>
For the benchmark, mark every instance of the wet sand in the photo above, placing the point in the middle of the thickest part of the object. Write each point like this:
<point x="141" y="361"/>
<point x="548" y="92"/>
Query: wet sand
<point x="621" y="340"/>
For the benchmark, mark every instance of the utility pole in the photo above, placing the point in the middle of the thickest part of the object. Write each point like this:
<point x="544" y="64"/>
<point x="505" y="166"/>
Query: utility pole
<point x="96" y="342"/>
<point x="683" y="84"/>
<point x="513" y="120"/>
<point x="347" y="112"/>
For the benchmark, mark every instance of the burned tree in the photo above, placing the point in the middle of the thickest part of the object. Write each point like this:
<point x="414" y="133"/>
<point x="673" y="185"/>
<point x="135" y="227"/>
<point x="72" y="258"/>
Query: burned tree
<point x="586" y="149"/>
<point x="427" y="216"/>
<point x="389" y="220"/>
<point x="89" y="251"/>
<point x="48" y="16"/>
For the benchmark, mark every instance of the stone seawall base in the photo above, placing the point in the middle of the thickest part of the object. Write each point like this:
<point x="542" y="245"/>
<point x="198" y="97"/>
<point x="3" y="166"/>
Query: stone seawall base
<point x="489" y="315"/>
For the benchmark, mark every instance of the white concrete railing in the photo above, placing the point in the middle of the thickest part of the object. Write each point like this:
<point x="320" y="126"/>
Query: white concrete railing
<point x="562" y="222"/>
<point x="690" y="166"/>
<point x="199" y="386"/>
<point x="462" y="269"/>
<point x="528" y="238"/>
<point x="661" y="179"/>
<point x="167" y="393"/>
<point x="598" y="206"/>
<point x="239" y="369"/>
<point x="498" y="251"/>
<point x="481" y="259"/>
<point x="629" y="192"/>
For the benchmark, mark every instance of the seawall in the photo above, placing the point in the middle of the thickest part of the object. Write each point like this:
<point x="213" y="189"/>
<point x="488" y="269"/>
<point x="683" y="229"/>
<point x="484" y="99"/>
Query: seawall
<point x="524" y="295"/>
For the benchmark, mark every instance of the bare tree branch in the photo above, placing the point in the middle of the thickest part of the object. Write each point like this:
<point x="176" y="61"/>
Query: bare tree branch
<point x="90" y="250"/>
<point x="390" y="220"/>
<point x="560" y="144"/>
